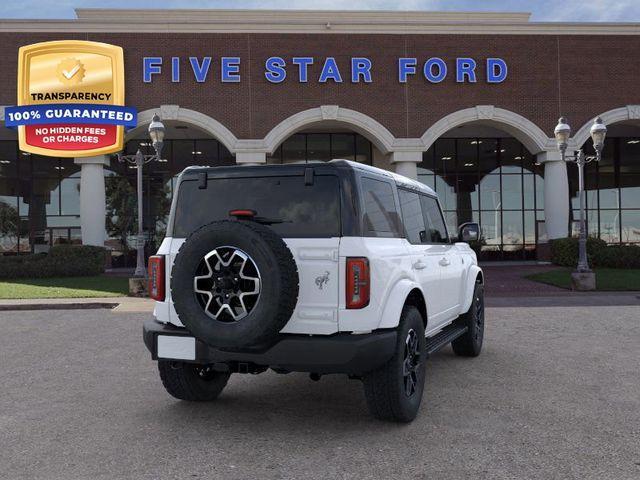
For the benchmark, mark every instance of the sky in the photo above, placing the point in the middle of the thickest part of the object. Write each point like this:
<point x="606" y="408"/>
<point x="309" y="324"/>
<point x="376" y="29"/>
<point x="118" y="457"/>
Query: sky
<point x="542" y="10"/>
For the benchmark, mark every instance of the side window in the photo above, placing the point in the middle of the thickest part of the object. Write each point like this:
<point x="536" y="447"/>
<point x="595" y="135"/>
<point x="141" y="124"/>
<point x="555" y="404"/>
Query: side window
<point x="436" y="229"/>
<point x="380" y="214"/>
<point x="412" y="216"/>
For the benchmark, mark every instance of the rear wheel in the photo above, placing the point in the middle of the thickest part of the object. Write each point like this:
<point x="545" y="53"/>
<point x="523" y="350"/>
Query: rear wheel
<point x="470" y="344"/>
<point x="394" y="391"/>
<point x="188" y="381"/>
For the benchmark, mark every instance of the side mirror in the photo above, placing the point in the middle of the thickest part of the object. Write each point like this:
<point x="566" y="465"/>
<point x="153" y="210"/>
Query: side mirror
<point x="469" y="232"/>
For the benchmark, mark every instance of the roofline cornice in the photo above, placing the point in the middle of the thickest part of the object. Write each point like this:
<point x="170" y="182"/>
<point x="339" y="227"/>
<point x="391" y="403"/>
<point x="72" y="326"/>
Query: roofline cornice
<point x="316" y="22"/>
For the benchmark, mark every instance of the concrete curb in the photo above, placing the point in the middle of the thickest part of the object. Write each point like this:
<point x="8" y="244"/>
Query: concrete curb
<point x="57" y="306"/>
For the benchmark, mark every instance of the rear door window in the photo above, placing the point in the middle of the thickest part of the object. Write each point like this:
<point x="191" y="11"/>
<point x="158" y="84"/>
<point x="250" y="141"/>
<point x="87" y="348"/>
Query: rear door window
<point x="380" y="214"/>
<point x="412" y="217"/>
<point x="292" y="208"/>
<point x="436" y="229"/>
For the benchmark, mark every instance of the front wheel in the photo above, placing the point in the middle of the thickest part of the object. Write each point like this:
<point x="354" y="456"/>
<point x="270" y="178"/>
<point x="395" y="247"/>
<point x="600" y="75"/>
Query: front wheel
<point x="191" y="382"/>
<point x="394" y="391"/>
<point x="470" y="344"/>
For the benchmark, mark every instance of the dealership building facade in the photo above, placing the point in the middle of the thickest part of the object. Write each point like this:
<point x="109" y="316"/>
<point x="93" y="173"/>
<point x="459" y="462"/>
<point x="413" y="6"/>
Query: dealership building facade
<point x="464" y="102"/>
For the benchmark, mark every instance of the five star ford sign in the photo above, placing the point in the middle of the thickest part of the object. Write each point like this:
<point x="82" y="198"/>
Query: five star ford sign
<point x="70" y="99"/>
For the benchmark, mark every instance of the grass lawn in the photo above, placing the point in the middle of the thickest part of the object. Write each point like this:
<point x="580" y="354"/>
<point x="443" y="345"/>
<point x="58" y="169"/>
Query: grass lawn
<point x="607" y="279"/>
<point x="70" y="287"/>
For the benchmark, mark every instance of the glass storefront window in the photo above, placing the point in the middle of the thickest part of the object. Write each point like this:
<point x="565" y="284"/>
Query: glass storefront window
<point x="466" y="156"/>
<point x="303" y="147"/>
<point x="446" y="194"/>
<point x="610" y="226"/>
<point x="487" y="157"/>
<point x="363" y="150"/>
<point x="512" y="230"/>
<point x="630" y="223"/>
<point x="294" y="149"/>
<point x="70" y="196"/>
<point x="491" y="228"/>
<point x="490" y="193"/>
<point x="319" y="147"/>
<point x="511" y="155"/>
<point x="630" y="190"/>
<point x="491" y="180"/>
<point x="512" y="192"/>
<point x="8" y="159"/>
<point x="445" y="156"/>
<point x="343" y="146"/>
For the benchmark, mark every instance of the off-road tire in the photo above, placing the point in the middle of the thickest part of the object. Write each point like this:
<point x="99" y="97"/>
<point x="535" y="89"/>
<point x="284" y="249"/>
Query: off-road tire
<point x="278" y="287"/>
<point x="194" y="383"/>
<point x="470" y="344"/>
<point x="385" y="388"/>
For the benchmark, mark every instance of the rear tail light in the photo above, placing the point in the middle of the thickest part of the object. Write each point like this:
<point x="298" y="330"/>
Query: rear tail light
<point x="358" y="282"/>
<point x="156" y="277"/>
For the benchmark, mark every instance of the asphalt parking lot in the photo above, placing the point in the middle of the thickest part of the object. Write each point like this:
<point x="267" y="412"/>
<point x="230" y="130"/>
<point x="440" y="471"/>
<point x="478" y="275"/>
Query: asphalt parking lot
<point x="555" y="394"/>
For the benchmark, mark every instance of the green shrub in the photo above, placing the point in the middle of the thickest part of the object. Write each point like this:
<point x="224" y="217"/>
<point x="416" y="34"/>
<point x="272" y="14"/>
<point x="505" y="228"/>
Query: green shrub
<point x="618" y="256"/>
<point x="564" y="252"/>
<point x="61" y="261"/>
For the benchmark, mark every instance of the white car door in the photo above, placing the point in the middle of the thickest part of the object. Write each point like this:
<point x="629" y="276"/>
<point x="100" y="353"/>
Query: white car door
<point x="425" y="256"/>
<point x="445" y="253"/>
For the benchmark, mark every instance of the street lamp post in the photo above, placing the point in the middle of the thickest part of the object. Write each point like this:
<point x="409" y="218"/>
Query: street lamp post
<point x="598" y="132"/>
<point x="156" y="133"/>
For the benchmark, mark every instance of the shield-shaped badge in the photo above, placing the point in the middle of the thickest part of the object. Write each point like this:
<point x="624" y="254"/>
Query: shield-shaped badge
<point x="70" y="98"/>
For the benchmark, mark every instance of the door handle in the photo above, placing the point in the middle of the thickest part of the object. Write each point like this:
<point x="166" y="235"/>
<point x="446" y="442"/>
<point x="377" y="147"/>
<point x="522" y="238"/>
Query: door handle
<point x="444" y="262"/>
<point x="419" y="265"/>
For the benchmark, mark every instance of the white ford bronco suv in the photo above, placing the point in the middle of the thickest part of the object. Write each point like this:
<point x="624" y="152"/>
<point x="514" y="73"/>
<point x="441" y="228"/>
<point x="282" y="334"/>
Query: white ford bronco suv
<point x="323" y="268"/>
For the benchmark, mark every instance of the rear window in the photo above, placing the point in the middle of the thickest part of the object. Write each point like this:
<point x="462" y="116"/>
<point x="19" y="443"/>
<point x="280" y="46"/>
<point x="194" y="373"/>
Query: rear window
<point x="380" y="215"/>
<point x="296" y="209"/>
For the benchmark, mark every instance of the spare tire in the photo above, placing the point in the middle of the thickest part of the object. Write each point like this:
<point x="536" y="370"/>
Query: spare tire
<point x="234" y="284"/>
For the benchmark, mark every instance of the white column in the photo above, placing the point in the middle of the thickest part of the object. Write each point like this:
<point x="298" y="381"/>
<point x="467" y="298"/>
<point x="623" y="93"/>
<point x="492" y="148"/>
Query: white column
<point x="556" y="194"/>
<point x="93" y="209"/>
<point x="406" y="163"/>
<point x="251" y="158"/>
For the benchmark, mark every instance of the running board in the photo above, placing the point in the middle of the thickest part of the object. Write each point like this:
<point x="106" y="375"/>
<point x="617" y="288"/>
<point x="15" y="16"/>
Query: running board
<point x="444" y="337"/>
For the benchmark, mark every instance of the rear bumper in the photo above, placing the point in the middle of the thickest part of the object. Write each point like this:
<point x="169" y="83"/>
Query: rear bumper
<point x="339" y="353"/>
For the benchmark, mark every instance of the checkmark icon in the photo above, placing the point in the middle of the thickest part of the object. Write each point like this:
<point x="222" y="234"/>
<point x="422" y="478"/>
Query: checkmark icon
<point x="71" y="73"/>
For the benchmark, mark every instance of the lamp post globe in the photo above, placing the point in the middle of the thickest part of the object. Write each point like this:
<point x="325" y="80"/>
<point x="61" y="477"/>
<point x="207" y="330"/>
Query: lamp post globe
<point x="562" y="133"/>
<point x="598" y="133"/>
<point x="156" y="133"/>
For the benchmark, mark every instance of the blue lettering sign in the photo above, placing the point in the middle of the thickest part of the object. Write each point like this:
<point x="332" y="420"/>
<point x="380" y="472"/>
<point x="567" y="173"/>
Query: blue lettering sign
<point x="151" y="66"/>
<point x="230" y="70"/>
<point x="330" y="71"/>
<point x="434" y="69"/>
<point x="496" y="70"/>
<point x="360" y="67"/>
<point x="465" y="67"/>
<point x="200" y="71"/>
<point x="406" y="66"/>
<point x="303" y="64"/>
<point x="428" y="70"/>
<point x="275" y="69"/>
<point x="175" y="69"/>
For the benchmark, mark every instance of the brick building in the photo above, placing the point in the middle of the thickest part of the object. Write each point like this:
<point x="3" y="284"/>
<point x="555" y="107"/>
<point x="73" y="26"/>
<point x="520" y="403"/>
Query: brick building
<point x="465" y="102"/>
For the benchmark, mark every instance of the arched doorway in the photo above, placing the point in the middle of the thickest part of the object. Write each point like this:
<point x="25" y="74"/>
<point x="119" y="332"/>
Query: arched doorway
<point x="483" y="174"/>
<point x="324" y="143"/>
<point x="328" y="132"/>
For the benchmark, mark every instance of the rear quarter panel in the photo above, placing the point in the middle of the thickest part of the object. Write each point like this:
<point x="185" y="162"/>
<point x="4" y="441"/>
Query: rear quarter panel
<point x="390" y="265"/>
